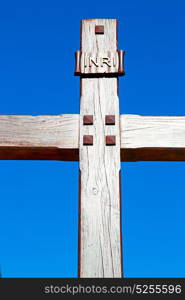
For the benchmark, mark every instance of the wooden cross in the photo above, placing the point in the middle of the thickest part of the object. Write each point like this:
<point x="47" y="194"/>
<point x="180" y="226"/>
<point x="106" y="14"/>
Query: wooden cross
<point x="99" y="138"/>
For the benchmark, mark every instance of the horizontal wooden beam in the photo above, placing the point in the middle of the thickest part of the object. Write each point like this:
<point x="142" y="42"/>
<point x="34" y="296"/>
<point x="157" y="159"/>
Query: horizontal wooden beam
<point x="152" y="138"/>
<point x="50" y="137"/>
<point x="47" y="137"/>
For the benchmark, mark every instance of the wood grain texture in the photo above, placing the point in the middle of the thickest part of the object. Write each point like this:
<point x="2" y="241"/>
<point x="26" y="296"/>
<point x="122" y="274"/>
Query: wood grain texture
<point x="152" y="138"/>
<point x="99" y="225"/>
<point x="143" y="138"/>
<point x="39" y="137"/>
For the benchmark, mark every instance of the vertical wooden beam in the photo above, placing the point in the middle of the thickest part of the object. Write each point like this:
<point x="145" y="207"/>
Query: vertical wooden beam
<point x="100" y="253"/>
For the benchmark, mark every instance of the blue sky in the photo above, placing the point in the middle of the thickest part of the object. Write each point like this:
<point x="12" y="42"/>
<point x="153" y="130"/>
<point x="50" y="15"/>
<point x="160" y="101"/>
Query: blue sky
<point x="39" y="199"/>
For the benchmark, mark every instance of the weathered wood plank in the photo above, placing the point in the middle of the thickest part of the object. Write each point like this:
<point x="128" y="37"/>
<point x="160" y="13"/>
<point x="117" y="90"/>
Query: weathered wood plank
<point x="152" y="138"/>
<point x="100" y="252"/>
<point x="143" y="138"/>
<point x="39" y="137"/>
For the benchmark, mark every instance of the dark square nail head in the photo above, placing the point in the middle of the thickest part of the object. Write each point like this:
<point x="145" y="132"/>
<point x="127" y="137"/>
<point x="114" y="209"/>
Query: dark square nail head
<point x="110" y="119"/>
<point x="88" y="120"/>
<point x="87" y="140"/>
<point x="110" y="140"/>
<point x="99" y="29"/>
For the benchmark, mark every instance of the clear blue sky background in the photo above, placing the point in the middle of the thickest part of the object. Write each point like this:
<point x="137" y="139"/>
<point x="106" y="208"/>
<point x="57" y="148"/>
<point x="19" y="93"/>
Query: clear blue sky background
<point x="39" y="199"/>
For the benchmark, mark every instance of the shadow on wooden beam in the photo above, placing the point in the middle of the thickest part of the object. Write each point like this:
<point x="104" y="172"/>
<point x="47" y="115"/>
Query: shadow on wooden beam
<point x="153" y="154"/>
<point x="38" y="153"/>
<point x="52" y="153"/>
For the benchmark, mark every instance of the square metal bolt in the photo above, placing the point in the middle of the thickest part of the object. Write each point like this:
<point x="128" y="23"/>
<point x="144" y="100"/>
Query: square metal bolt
<point x="110" y="140"/>
<point x="99" y="29"/>
<point x="110" y="120"/>
<point x="87" y="140"/>
<point x="88" y="120"/>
